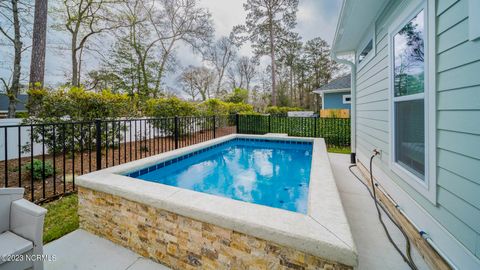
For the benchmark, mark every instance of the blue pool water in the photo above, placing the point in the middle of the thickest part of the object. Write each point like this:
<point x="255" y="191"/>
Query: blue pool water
<point x="271" y="173"/>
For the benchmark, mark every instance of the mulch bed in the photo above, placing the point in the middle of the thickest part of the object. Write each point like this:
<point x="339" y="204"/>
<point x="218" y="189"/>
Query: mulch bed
<point x="81" y="163"/>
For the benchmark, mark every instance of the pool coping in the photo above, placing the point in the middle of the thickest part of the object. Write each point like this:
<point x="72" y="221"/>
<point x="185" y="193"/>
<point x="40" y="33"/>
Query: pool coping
<point x="324" y="231"/>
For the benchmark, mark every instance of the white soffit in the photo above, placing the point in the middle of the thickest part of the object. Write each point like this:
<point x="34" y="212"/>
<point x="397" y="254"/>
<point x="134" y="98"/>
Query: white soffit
<point x="355" y="19"/>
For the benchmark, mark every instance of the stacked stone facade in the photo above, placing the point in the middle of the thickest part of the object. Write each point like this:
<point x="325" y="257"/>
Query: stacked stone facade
<point x="184" y="243"/>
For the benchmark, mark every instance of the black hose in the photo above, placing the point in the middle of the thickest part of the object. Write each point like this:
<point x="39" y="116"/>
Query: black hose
<point x="408" y="257"/>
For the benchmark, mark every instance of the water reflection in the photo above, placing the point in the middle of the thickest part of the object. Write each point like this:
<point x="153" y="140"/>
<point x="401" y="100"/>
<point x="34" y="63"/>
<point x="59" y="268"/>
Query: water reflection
<point x="272" y="176"/>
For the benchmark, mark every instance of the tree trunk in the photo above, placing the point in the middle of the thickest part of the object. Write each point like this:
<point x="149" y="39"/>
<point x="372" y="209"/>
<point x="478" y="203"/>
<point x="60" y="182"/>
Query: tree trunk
<point x="75" y="81"/>
<point x="219" y="83"/>
<point x="274" y="67"/>
<point x="161" y="68"/>
<point x="37" y="64"/>
<point x="15" y="89"/>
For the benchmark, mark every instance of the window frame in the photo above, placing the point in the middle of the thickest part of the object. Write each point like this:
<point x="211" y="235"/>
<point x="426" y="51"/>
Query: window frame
<point x="426" y="187"/>
<point x="369" y="36"/>
<point x="344" y="98"/>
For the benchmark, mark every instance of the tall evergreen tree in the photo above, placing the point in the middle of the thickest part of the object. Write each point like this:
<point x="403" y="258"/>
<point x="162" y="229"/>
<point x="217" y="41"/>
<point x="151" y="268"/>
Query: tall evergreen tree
<point x="39" y="40"/>
<point x="268" y="22"/>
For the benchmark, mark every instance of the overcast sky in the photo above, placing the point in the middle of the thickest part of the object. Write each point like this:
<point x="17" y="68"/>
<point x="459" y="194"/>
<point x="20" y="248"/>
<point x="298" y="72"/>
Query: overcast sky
<point x="316" y="18"/>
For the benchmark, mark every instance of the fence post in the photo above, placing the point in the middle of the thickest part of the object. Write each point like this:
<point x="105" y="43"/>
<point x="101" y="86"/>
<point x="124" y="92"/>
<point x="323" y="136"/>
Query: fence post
<point x="269" y="123"/>
<point x="98" y="146"/>
<point x="176" y="132"/>
<point x="214" y="128"/>
<point x="237" y="118"/>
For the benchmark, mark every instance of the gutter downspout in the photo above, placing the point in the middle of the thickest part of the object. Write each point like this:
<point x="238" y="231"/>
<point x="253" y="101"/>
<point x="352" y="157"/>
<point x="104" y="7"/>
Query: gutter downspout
<point x="353" y="105"/>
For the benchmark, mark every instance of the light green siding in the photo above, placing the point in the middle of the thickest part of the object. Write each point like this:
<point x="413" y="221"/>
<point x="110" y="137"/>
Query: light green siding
<point x="458" y="119"/>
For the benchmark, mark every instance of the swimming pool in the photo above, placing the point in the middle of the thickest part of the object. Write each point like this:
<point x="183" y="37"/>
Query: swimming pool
<point x="165" y="218"/>
<point x="274" y="173"/>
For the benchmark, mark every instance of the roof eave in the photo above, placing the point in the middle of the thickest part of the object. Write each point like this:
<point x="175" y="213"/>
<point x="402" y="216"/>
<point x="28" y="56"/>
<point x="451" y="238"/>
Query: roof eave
<point x="366" y="12"/>
<point x="339" y="28"/>
<point x="327" y="91"/>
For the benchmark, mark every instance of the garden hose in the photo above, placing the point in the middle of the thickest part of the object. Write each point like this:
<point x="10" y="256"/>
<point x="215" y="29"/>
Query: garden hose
<point x="408" y="257"/>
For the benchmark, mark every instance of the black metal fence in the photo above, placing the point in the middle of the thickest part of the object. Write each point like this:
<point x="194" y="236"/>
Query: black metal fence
<point x="45" y="158"/>
<point x="335" y="131"/>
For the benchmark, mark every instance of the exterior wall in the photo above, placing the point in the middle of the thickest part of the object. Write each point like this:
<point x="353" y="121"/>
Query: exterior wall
<point x="458" y="114"/>
<point x="184" y="243"/>
<point x="335" y="101"/>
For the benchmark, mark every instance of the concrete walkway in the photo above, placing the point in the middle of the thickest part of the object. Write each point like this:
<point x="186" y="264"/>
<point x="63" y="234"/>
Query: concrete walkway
<point x="81" y="250"/>
<point x="374" y="249"/>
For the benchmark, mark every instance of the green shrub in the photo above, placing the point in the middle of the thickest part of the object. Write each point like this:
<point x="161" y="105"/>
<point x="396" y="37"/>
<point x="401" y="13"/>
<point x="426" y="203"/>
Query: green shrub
<point x="38" y="169"/>
<point x="217" y="107"/>
<point x="77" y="104"/>
<point x="21" y="114"/>
<point x="242" y="108"/>
<point x="169" y="107"/>
<point x="238" y="95"/>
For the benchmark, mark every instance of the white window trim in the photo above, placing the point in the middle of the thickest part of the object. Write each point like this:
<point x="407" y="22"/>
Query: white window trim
<point x="427" y="187"/>
<point x="344" y="98"/>
<point x="369" y="36"/>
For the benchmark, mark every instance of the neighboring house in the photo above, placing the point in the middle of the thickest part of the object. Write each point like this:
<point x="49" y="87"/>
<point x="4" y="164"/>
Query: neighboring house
<point x="416" y="99"/>
<point x="336" y="94"/>
<point x="20" y="106"/>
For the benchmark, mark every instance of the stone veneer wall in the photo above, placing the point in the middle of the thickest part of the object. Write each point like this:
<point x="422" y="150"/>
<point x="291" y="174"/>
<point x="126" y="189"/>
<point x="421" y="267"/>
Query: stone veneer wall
<point x="184" y="243"/>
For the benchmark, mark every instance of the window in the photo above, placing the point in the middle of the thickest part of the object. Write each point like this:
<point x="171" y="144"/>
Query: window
<point x="347" y="99"/>
<point x="366" y="50"/>
<point x="408" y="48"/>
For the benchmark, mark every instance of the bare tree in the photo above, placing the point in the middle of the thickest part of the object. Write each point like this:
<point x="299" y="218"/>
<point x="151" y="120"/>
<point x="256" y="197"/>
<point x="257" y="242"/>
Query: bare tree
<point x="178" y="20"/>
<point x="247" y="67"/>
<point x="83" y="19"/>
<point x="37" y="64"/>
<point x="11" y="18"/>
<point x="198" y="80"/>
<point x="187" y="82"/>
<point x="220" y="55"/>
<point x="145" y="48"/>
<point x="242" y="72"/>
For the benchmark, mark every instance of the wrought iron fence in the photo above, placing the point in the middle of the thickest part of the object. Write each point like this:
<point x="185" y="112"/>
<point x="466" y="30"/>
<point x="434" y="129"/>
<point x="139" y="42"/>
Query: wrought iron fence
<point x="44" y="158"/>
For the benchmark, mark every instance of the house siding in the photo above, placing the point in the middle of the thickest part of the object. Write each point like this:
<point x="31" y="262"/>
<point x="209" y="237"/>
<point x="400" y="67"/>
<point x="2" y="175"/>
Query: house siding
<point x="335" y="101"/>
<point x="458" y="124"/>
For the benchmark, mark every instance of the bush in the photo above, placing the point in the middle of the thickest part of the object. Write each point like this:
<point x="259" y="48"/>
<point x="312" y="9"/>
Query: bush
<point x="169" y="107"/>
<point x="21" y="114"/>
<point x="38" y="169"/>
<point x="77" y="104"/>
<point x="217" y="107"/>
<point x="242" y="108"/>
<point x="238" y="95"/>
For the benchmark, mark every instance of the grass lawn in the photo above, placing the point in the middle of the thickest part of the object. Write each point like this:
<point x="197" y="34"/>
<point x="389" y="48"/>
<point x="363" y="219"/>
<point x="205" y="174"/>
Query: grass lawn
<point x="339" y="150"/>
<point x="61" y="218"/>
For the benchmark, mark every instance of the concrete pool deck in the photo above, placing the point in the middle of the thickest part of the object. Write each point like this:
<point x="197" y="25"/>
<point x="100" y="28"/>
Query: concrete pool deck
<point x="83" y="250"/>
<point x="323" y="232"/>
